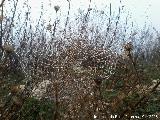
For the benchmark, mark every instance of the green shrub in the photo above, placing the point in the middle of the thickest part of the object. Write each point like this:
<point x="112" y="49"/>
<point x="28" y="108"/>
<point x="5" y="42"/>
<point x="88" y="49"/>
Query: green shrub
<point x="34" y="109"/>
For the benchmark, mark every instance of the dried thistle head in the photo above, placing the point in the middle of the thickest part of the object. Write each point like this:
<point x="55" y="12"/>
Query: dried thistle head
<point x="56" y="8"/>
<point x="128" y="46"/>
<point x="14" y="89"/>
<point x="8" y="48"/>
<point x="49" y="27"/>
<point x="89" y="9"/>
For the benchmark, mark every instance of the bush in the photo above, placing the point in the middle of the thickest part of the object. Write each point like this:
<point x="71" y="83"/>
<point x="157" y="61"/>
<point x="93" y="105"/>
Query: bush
<point x="34" y="109"/>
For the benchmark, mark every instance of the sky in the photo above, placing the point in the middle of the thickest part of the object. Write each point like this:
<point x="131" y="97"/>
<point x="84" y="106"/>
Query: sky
<point x="141" y="10"/>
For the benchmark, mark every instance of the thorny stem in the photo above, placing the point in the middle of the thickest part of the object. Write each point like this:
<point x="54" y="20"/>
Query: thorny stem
<point x="67" y="19"/>
<point x="56" y="98"/>
<point x="54" y="29"/>
<point x="88" y="12"/>
<point x="134" y="66"/>
<point x="57" y="104"/>
<point x="1" y="5"/>
<point x="12" y="20"/>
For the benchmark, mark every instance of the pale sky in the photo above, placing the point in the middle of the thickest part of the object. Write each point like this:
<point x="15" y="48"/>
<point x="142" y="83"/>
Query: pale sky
<point x="141" y="10"/>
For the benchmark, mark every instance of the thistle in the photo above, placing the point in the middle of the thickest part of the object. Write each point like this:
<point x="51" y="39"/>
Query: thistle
<point x="128" y="46"/>
<point x="8" y="48"/>
<point x="49" y="27"/>
<point x="56" y="8"/>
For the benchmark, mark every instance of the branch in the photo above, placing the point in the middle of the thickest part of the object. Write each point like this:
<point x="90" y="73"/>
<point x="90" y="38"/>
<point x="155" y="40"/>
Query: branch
<point x="2" y="3"/>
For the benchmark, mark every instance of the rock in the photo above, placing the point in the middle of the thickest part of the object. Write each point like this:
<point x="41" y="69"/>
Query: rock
<point x="41" y="89"/>
<point x="154" y="82"/>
